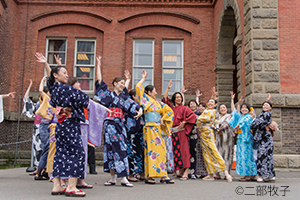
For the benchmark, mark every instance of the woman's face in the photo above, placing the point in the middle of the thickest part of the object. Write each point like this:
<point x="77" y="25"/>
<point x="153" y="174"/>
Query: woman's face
<point x="134" y="97"/>
<point x="178" y="99"/>
<point x="77" y="85"/>
<point x="119" y="86"/>
<point x="267" y="107"/>
<point x="193" y="106"/>
<point x="153" y="93"/>
<point x="211" y="104"/>
<point x="244" y="109"/>
<point x="201" y="108"/>
<point x="61" y="76"/>
<point x="223" y="110"/>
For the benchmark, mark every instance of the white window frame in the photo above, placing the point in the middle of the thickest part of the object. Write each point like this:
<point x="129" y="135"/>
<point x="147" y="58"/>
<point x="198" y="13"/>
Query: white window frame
<point x="172" y="67"/>
<point x="142" y="66"/>
<point x="46" y="52"/>
<point x="80" y="65"/>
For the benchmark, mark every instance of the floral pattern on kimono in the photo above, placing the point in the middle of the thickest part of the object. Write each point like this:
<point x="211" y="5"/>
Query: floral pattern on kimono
<point x="154" y="133"/>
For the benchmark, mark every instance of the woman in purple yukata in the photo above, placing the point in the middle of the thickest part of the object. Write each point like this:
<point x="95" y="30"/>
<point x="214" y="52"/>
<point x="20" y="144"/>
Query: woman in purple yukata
<point x="115" y="136"/>
<point x="69" y="156"/>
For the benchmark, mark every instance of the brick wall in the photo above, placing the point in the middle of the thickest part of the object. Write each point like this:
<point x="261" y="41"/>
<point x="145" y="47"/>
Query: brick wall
<point x="289" y="42"/>
<point x="290" y="119"/>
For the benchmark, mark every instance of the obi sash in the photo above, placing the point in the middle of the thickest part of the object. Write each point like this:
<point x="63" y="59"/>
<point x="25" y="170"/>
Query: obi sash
<point x="152" y="117"/>
<point x="62" y="113"/>
<point x="118" y="113"/>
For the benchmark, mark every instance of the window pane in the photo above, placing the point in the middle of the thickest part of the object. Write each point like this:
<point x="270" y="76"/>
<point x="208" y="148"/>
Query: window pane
<point x="85" y="59"/>
<point x="86" y="84"/>
<point x="143" y="47"/>
<point x="51" y="59"/>
<point x="172" y="74"/>
<point x="172" y="47"/>
<point x="137" y="73"/>
<point x="85" y="46"/>
<point x="172" y="61"/>
<point x="143" y="60"/>
<point x="176" y="86"/>
<point x="57" y="45"/>
<point x="85" y="72"/>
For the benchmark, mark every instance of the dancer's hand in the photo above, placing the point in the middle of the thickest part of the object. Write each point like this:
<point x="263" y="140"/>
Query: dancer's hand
<point x="181" y="126"/>
<point x="40" y="58"/>
<point x="144" y="74"/>
<point x="183" y="90"/>
<point x="11" y="94"/>
<point x="232" y="95"/>
<point x="198" y="93"/>
<point x="169" y="85"/>
<point x="127" y="74"/>
<point x="57" y="59"/>
<point x="139" y="114"/>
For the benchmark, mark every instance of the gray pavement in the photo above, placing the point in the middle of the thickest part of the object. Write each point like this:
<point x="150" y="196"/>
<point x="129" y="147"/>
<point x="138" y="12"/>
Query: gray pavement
<point x="17" y="184"/>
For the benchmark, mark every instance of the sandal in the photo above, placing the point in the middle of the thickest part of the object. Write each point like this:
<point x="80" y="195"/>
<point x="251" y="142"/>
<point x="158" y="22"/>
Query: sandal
<point x="217" y="177"/>
<point x="32" y="174"/>
<point x="75" y="193"/>
<point x="184" y="178"/>
<point x="244" y="179"/>
<point x="59" y="192"/>
<point x="127" y="184"/>
<point x="208" y="178"/>
<point x="85" y="186"/>
<point x="229" y="178"/>
<point x="133" y="179"/>
<point x="150" y="181"/>
<point x="167" y="181"/>
<point x="40" y="178"/>
<point x="108" y="183"/>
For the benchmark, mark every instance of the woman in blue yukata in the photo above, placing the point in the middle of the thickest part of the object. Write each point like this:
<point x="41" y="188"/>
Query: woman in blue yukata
<point x="69" y="156"/>
<point x="241" y="122"/>
<point x="115" y="136"/>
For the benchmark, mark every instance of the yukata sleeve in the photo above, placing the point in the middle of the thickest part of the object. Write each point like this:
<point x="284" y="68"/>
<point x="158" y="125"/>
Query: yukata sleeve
<point x="144" y="100"/>
<point x="203" y="118"/>
<point x="29" y="107"/>
<point x="130" y="107"/>
<point x="266" y="120"/>
<point x="167" y="117"/>
<point x="235" y="117"/>
<point x="125" y="92"/>
<point x="79" y="99"/>
<point x="190" y="119"/>
<point x="103" y="94"/>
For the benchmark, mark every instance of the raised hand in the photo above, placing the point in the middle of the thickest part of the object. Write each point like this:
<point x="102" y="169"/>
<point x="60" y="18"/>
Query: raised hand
<point x="183" y="90"/>
<point x="170" y="85"/>
<point x="232" y="95"/>
<point x="30" y="82"/>
<point x="144" y="74"/>
<point x="268" y="97"/>
<point x="11" y="94"/>
<point x="57" y="59"/>
<point x="198" y="93"/>
<point x="40" y="58"/>
<point x="241" y="100"/>
<point x="98" y="60"/>
<point x="139" y="113"/>
<point x="127" y="74"/>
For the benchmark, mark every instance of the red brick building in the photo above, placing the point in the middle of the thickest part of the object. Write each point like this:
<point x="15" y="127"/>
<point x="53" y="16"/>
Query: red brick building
<point x="249" y="47"/>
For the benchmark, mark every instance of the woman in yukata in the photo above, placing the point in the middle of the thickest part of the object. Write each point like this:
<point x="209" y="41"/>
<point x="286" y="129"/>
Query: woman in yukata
<point x="241" y="122"/>
<point x="69" y="156"/>
<point x="158" y="121"/>
<point x="183" y="123"/>
<point x="206" y="122"/>
<point x="263" y="128"/>
<point x="115" y="136"/>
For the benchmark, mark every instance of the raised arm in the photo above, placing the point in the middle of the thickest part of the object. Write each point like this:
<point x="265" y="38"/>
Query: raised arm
<point x="99" y="75"/>
<point x="11" y="95"/>
<point x="232" y="101"/>
<point x="167" y="89"/>
<point x="58" y="60"/>
<point x="214" y="94"/>
<point x="268" y="97"/>
<point x="28" y="90"/>
<point x="128" y="77"/>
<point x="183" y="91"/>
<point x="144" y="76"/>
<point x="239" y="104"/>
<point x="198" y="95"/>
<point x="41" y="88"/>
<point x="41" y="59"/>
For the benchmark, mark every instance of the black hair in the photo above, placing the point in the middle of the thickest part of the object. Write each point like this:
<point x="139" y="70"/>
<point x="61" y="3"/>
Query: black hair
<point x="247" y="105"/>
<point x="54" y="70"/>
<point x="214" y="100"/>
<point x="72" y="80"/>
<point x="116" y="80"/>
<point x="174" y="97"/>
<point x="203" y="104"/>
<point x="268" y="102"/>
<point x="45" y="90"/>
<point x="189" y="104"/>
<point x="223" y="104"/>
<point x="149" y="88"/>
<point x="132" y="93"/>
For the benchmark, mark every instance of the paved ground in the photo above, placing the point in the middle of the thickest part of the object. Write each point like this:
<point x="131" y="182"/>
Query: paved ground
<point x="16" y="184"/>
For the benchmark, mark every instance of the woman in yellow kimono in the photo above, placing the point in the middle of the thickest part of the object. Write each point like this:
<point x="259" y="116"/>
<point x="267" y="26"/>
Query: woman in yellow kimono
<point x="158" y="121"/>
<point x="213" y="160"/>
